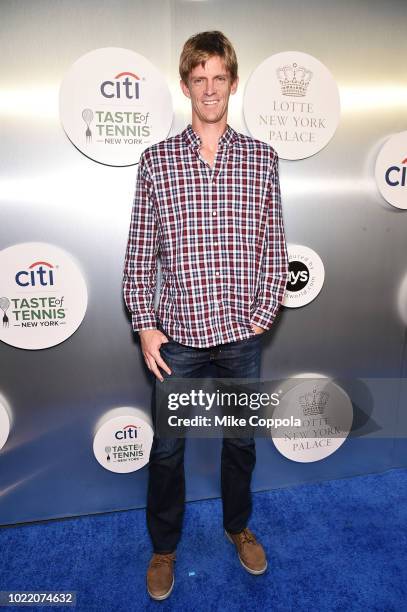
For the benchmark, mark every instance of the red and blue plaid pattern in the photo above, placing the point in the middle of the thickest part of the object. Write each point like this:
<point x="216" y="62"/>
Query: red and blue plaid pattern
<point x="220" y="236"/>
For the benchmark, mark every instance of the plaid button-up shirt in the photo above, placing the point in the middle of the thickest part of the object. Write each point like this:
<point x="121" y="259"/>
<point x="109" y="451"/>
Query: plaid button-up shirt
<point x="219" y="234"/>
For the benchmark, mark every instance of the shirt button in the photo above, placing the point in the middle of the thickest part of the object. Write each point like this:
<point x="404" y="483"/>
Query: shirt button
<point x="215" y="244"/>
<point x="214" y="212"/>
<point x="217" y="273"/>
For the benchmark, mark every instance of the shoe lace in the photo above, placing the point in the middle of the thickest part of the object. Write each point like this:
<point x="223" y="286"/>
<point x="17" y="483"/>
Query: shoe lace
<point x="246" y="537"/>
<point x="162" y="559"/>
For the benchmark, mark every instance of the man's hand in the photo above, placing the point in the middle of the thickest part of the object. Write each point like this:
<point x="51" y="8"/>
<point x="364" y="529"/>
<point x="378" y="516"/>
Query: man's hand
<point x="257" y="329"/>
<point x="151" y="340"/>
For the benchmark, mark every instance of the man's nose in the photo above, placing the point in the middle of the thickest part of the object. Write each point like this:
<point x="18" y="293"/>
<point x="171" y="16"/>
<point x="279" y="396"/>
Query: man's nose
<point x="210" y="88"/>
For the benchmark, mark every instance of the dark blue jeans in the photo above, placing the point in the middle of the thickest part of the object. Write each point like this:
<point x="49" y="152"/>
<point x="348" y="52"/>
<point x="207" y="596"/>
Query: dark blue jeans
<point x="166" y="485"/>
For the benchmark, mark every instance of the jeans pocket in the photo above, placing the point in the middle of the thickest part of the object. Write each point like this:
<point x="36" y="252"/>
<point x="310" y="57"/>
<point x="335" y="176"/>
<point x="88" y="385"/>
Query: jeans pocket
<point x="161" y="329"/>
<point x="254" y="336"/>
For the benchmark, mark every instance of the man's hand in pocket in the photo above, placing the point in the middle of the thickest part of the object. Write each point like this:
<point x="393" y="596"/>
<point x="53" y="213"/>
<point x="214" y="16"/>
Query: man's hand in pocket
<point x="151" y="340"/>
<point x="257" y="329"/>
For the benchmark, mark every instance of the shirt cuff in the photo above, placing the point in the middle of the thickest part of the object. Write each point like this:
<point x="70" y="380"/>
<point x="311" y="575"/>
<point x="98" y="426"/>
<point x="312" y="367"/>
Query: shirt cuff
<point x="263" y="318"/>
<point x="144" y="321"/>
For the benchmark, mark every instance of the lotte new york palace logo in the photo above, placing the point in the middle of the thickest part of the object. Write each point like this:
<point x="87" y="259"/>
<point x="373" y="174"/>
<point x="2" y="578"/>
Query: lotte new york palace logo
<point x="326" y="415"/>
<point x="294" y="80"/>
<point x="113" y="104"/>
<point x="291" y="101"/>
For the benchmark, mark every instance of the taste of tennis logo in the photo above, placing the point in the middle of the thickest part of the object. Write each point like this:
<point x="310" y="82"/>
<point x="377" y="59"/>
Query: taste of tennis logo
<point x="122" y="444"/>
<point x="132" y="126"/>
<point x="306" y="276"/>
<point x="43" y="296"/>
<point x="113" y="104"/>
<point x="120" y="452"/>
<point x="391" y="170"/>
<point x="291" y="101"/>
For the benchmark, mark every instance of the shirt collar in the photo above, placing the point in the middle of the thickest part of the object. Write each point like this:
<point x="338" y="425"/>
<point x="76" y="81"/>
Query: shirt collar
<point x="193" y="140"/>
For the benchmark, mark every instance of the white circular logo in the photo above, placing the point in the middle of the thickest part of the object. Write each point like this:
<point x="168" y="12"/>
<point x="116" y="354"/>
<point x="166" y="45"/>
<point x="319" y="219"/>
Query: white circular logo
<point x="43" y="295"/>
<point x="306" y="276"/>
<point x="123" y="443"/>
<point x="291" y="101"/>
<point x="391" y="170"/>
<point x="4" y="425"/>
<point x="113" y="104"/>
<point x="326" y="416"/>
<point x="402" y="300"/>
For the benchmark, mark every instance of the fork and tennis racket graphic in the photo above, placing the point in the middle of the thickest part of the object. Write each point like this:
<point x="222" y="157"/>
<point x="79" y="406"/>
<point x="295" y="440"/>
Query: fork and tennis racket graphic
<point x="4" y="306"/>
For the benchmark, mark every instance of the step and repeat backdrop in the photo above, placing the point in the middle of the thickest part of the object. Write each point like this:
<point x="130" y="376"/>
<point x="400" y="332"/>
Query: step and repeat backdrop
<point x="79" y="103"/>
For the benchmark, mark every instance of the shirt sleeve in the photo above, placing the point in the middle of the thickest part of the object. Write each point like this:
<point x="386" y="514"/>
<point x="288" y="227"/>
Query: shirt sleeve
<point x="274" y="270"/>
<point x="140" y="266"/>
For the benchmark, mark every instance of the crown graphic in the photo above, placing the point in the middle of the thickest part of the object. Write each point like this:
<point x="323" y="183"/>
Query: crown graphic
<point x="314" y="402"/>
<point x="294" y="80"/>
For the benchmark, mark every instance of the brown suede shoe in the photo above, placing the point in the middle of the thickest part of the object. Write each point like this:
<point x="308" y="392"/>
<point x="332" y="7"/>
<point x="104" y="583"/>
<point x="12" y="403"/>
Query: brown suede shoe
<point x="250" y="552"/>
<point x="160" y="575"/>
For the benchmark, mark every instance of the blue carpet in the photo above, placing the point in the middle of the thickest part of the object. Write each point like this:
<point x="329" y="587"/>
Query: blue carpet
<point x="339" y="545"/>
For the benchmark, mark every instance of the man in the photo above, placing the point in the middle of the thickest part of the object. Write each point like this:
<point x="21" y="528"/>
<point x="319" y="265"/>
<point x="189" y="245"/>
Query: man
<point x="208" y="201"/>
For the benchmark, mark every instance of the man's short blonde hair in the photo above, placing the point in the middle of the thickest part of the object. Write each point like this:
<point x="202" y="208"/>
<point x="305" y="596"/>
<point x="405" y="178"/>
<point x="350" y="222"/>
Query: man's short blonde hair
<point x="201" y="47"/>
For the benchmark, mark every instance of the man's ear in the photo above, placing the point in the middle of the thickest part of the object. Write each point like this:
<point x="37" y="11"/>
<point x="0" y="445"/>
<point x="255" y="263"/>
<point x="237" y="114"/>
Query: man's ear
<point x="234" y="86"/>
<point x="185" y="89"/>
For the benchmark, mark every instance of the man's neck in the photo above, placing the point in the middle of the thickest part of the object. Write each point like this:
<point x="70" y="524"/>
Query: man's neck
<point x="209" y="133"/>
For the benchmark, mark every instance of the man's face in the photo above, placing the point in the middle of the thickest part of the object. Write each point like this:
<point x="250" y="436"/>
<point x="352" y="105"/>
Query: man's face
<point x="209" y="89"/>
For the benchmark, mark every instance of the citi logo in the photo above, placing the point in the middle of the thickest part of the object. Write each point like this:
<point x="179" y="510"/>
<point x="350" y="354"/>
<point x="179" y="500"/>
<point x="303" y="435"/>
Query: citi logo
<point x="40" y="273"/>
<point x="124" y="85"/>
<point x="129" y="432"/>
<point x="397" y="175"/>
